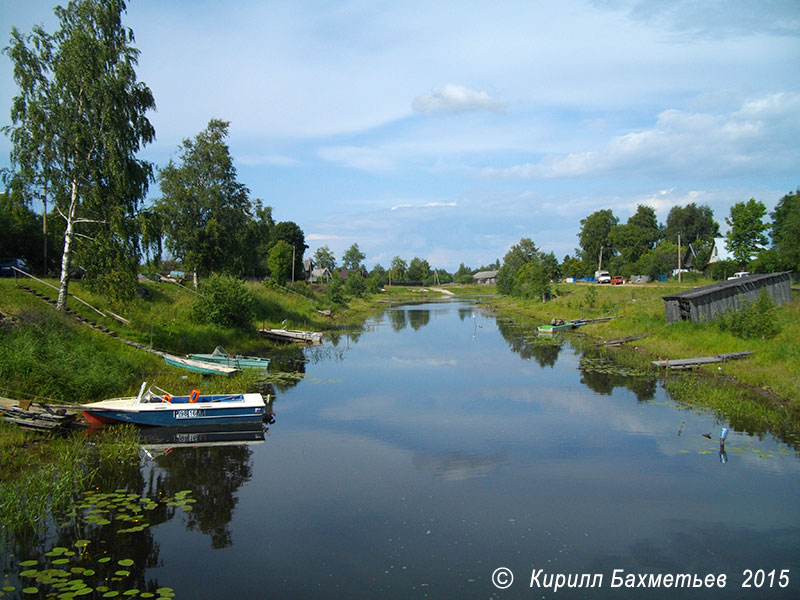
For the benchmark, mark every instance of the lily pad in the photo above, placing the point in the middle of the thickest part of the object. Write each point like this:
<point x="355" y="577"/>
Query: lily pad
<point x="28" y="563"/>
<point x="82" y="543"/>
<point x="125" y="562"/>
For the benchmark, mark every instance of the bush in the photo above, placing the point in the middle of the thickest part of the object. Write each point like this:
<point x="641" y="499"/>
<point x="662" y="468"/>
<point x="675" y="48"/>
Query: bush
<point x="753" y="320"/>
<point x="225" y="301"/>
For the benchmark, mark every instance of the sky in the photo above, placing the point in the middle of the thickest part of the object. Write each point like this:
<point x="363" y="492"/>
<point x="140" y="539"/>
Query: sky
<point x="449" y="130"/>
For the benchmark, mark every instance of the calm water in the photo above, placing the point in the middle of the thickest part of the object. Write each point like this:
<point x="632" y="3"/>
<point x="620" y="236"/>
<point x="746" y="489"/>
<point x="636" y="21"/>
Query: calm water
<point x="440" y="444"/>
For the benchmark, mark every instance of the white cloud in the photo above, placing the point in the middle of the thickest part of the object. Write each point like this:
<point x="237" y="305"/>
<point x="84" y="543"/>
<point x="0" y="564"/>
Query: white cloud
<point x="758" y="138"/>
<point x="426" y="205"/>
<point x="451" y="98"/>
<point x="274" y="160"/>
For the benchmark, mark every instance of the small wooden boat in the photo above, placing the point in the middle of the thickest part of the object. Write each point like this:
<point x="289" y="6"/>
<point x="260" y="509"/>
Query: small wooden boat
<point x="199" y="366"/>
<point x="559" y="325"/>
<point x="159" y="408"/>
<point x="238" y="361"/>
<point x="292" y="335"/>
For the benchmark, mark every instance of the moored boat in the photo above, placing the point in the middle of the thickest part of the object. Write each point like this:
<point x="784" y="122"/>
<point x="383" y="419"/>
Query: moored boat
<point x="292" y="335"/>
<point x="157" y="407"/>
<point x="199" y="366"/>
<point x="559" y="325"/>
<point x="238" y="361"/>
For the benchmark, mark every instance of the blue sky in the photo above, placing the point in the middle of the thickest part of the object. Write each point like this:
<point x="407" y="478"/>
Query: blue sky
<point x="451" y="130"/>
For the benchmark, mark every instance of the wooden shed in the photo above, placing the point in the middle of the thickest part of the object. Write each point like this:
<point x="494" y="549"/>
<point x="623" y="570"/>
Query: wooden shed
<point x="704" y="303"/>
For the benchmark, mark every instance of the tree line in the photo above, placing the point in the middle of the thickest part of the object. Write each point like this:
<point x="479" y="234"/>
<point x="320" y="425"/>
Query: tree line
<point x="642" y="246"/>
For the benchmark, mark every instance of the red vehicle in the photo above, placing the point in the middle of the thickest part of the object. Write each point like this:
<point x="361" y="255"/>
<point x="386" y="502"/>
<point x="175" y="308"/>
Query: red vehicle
<point x="617" y="280"/>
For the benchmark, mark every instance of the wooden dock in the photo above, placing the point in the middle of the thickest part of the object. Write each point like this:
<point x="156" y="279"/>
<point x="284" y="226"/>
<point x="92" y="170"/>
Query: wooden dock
<point x="622" y="340"/>
<point x="688" y="363"/>
<point x="38" y="415"/>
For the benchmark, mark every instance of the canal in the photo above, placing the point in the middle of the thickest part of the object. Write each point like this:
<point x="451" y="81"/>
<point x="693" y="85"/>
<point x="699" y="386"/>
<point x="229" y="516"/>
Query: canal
<point x="438" y="445"/>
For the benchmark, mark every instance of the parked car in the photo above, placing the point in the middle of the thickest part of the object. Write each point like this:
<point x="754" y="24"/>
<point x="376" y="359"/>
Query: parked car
<point x="602" y="276"/>
<point x="617" y="280"/>
<point x="7" y="266"/>
<point x="739" y="275"/>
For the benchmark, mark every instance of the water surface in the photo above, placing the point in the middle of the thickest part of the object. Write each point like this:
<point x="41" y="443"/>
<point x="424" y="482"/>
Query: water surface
<point x="439" y="444"/>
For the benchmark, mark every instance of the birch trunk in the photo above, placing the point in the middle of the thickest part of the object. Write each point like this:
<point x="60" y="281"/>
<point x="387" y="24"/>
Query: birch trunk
<point x="66" y="257"/>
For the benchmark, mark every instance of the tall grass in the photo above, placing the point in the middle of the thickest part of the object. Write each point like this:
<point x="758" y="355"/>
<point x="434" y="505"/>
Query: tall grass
<point x="65" y="467"/>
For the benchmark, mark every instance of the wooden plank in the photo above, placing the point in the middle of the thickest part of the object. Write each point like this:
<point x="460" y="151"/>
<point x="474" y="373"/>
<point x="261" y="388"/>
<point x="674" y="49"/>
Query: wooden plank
<point x="685" y="363"/>
<point x="623" y="340"/>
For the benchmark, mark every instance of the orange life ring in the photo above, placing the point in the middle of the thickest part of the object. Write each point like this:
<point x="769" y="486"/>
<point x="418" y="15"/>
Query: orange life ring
<point x="166" y="398"/>
<point x="195" y="395"/>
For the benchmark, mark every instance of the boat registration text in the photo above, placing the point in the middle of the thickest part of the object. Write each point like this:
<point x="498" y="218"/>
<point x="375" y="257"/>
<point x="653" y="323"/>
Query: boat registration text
<point x="190" y="413"/>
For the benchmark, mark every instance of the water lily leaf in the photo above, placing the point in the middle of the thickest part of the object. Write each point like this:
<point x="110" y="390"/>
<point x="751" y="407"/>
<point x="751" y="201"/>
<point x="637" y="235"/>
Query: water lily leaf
<point x="105" y="559"/>
<point x="28" y="563"/>
<point x="88" y="572"/>
<point x="9" y="588"/>
<point x="61" y="561"/>
<point x="29" y="573"/>
<point x="122" y="573"/>
<point x="111" y="594"/>
<point x="30" y="590"/>
<point x="130" y="592"/>
<point x="84" y="591"/>
<point x="125" y="562"/>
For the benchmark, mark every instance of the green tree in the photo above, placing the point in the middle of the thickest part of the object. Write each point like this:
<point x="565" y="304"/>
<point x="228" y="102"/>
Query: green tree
<point x="205" y="209"/>
<point x="355" y="285"/>
<point x="279" y="261"/>
<point x="463" y="274"/>
<point x="533" y="281"/>
<point x="637" y="236"/>
<point x="786" y="231"/>
<point x="291" y="233"/>
<point x="224" y="301"/>
<point x="594" y="238"/>
<point x="692" y="222"/>
<point x="571" y="267"/>
<point x="419" y="271"/>
<point x="379" y="274"/>
<point x="398" y="270"/>
<point x="324" y="259"/>
<point x="78" y="123"/>
<point x="661" y="260"/>
<point x="352" y="258"/>
<point x="518" y="255"/>
<point x="258" y="235"/>
<point x="747" y="233"/>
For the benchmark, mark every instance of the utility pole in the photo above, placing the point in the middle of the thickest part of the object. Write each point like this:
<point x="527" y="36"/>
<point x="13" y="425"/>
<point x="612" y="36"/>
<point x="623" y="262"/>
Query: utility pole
<point x="292" y="263"/>
<point x="600" y="262"/>
<point x="679" y="257"/>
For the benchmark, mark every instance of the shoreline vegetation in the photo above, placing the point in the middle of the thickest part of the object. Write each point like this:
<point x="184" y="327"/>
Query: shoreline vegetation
<point x="55" y="358"/>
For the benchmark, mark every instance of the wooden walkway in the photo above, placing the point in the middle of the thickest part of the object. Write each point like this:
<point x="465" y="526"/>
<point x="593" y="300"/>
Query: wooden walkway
<point x="688" y="363"/>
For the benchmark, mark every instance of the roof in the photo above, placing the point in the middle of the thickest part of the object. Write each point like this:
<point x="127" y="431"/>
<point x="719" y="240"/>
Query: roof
<point x="485" y="274"/>
<point x="723" y="285"/>
<point x="720" y="251"/>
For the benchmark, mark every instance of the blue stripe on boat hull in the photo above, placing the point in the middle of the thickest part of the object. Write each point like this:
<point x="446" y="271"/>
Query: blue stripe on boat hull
<point x="188" y="416"/>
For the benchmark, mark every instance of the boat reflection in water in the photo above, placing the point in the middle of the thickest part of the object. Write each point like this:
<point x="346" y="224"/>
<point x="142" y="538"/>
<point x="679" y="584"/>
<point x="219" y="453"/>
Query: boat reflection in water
<point x="163" y="439"/>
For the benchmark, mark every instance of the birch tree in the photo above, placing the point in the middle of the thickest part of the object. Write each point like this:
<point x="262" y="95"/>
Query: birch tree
<point x="77" y="124"/>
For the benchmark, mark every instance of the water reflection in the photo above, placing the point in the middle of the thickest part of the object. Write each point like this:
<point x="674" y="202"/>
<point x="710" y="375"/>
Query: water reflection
<point x="458" y="466"/>
<point x="524" y="341"/>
